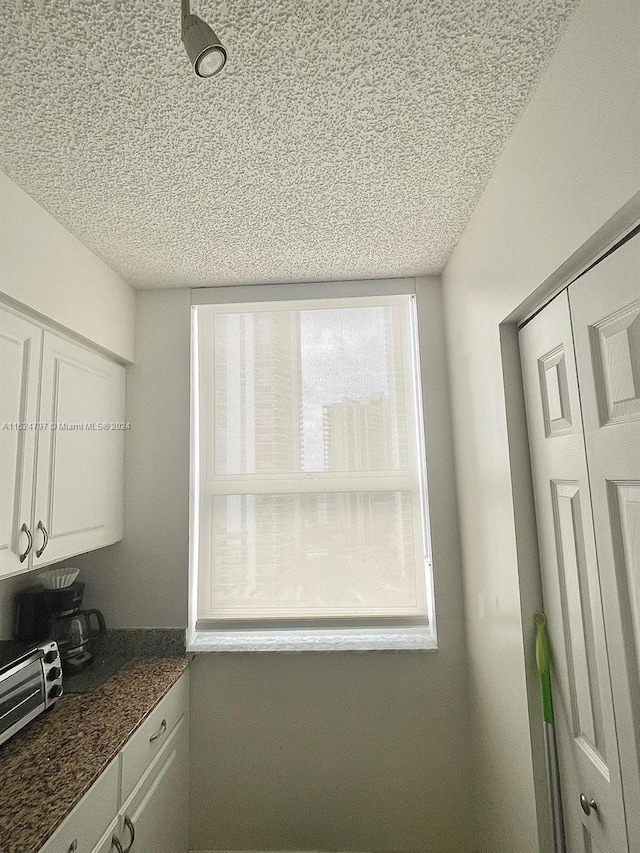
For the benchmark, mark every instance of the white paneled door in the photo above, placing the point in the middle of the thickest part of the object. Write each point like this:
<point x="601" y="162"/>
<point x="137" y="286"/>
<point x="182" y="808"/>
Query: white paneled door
<point x="583" y="703"/>
<point x="605" y="314"/>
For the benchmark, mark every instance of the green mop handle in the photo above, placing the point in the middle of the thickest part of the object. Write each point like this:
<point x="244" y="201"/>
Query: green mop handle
<point x="543" y="661"/>
<point x="543" y="656"/>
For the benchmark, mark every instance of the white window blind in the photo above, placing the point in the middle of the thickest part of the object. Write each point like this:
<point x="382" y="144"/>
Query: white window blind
<point x="308" y="487"/>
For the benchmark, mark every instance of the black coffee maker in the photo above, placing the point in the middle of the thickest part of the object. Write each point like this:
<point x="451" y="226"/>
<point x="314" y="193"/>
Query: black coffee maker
<point x="55" y="614"/>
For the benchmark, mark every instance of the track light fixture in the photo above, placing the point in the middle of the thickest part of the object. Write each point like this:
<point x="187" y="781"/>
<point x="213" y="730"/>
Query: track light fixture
<point x="203" y="46"/>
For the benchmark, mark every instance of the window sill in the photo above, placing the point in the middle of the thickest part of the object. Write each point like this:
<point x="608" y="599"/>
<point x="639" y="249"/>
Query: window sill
<point x="320" y="640"/>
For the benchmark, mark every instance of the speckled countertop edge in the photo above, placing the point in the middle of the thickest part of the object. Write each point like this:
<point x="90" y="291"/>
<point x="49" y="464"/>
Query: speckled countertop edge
<point x="46" y="769"/>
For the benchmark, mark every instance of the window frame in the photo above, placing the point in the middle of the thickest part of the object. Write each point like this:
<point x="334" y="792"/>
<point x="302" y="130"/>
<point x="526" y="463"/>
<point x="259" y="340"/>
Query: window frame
<point x="354" y="633"/>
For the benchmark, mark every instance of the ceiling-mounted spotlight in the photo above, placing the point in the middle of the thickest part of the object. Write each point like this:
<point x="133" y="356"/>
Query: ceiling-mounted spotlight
<point x="203" y="46"/>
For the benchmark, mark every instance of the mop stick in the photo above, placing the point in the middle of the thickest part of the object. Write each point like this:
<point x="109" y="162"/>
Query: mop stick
<point x="550" y="749"/>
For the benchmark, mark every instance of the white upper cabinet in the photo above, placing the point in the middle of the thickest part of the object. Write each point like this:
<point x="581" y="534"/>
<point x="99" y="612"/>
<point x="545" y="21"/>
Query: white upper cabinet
<point x="61" y="447"/>
<point x="78" y="504"/>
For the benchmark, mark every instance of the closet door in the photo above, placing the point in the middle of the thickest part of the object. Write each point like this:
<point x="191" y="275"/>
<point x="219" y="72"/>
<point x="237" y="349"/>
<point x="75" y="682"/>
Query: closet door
<point x="583" y="704"/>
<point x="605" y="311"/>
<point x="20" y="347"/>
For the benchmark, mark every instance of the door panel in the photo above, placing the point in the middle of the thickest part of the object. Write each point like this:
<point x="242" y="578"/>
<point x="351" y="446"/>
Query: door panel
<point x="554" y="393"/>
<point x="80" y="462"/>
<point x="605" y="311"/>
<point x="576" y="606"/>
<point x="20" y="350"/>
<point x="583" y="706"/>
<point x="624" y="500"/>
<point x="615" y="343"/>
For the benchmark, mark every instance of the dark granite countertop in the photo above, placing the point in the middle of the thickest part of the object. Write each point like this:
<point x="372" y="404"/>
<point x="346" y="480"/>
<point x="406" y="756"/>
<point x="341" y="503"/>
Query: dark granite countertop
<point x="47" y="767"/>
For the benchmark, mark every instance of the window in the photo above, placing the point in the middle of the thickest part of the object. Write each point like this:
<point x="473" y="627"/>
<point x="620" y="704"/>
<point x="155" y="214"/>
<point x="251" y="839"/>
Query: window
<point x="308" y="490"/>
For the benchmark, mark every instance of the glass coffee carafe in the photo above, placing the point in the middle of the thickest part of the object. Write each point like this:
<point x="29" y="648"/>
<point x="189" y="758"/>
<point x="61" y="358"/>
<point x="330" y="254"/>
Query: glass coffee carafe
<point x="74" y="632"/>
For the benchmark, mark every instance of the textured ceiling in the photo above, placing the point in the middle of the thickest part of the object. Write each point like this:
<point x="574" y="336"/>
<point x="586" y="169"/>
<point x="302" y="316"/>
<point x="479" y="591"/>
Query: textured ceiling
<point x="345" y="138"/>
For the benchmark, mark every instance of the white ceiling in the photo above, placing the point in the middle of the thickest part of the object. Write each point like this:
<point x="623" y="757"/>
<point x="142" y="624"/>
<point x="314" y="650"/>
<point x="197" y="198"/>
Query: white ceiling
<point x="345" y="138"/>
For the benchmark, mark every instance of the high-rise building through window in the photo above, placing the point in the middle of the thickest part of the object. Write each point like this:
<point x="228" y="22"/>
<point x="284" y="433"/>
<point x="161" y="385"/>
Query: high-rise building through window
<point x="256" y="431"/>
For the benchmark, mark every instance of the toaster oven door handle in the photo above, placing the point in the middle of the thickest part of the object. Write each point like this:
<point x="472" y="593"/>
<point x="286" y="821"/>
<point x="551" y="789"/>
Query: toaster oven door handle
<point x="45" y="539"/>
<point x="25" y="553"/>
<point x="21" y="702"/>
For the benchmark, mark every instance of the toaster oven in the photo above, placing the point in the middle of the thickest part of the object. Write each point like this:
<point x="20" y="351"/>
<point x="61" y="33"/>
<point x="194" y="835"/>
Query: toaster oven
<point x="30" y="682"/>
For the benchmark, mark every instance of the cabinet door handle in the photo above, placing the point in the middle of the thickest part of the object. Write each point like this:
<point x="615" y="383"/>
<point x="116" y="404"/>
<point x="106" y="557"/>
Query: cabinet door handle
<point x="25" y="529"/>
<point x="73" y="846"/>
<point x="115" y="842"/>
<point x="45" y="539"/>
<point x="132" y="831"/>
<point x="161" y="731"/>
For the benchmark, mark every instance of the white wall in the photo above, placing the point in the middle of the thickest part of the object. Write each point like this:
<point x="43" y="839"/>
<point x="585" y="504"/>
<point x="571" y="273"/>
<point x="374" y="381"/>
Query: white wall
<point x="343" y="750"/>
<point x="142" y="581"/>
<point x="47" y="269"/>
<point x="571" y="164"/>
<point x="332" y="751"/>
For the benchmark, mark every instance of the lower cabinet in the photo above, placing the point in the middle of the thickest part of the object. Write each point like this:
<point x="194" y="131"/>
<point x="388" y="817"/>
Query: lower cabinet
<point x="153" y="817"/>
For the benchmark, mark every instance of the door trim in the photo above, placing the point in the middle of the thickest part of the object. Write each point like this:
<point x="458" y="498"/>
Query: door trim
<point x="619" y="228"/>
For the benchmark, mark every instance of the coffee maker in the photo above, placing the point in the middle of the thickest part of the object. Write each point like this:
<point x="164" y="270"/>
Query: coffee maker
<point x="55" y="614"/>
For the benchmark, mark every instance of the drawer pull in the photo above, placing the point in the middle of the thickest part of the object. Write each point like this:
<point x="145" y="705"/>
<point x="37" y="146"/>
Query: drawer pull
<point x="25" y="529"/>
<point x="73" y="846"/>
<point x="160" y="732"/>
<point x="132" y="831"/>
<point x="115" y="842"/>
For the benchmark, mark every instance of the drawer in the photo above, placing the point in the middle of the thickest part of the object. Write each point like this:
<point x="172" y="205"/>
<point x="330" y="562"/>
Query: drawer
<point x="90" y="819"/>
<point x="149" y="739"/>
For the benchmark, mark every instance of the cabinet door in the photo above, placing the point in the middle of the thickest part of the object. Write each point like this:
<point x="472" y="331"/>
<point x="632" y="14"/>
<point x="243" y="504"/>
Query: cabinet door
<point x="78" y="504"/>
<point x="157" y="814"/>
<point x="20" y="350"/>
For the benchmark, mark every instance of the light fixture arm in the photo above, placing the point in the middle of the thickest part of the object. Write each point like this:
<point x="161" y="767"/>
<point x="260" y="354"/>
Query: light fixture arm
<point x="186" y="14"/>
<point x="208" y="56"/>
